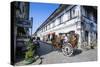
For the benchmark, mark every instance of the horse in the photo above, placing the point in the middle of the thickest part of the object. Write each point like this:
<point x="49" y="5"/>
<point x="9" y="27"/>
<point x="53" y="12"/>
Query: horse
<point x="56" y="41"/>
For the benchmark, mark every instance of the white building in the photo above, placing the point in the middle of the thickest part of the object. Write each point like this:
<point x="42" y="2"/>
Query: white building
<point x="66" y="18"/>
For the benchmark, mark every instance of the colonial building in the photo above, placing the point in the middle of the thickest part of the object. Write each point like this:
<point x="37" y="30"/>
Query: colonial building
<point x="80" y="19"/>
<point x="20" y="25"/>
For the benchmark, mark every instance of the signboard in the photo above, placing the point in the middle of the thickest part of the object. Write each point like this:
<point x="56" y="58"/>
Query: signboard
<point x="25" y="23"/>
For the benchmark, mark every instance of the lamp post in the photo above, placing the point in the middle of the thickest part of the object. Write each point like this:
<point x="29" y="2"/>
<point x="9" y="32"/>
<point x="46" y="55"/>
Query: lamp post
<point x="31" y="25"/>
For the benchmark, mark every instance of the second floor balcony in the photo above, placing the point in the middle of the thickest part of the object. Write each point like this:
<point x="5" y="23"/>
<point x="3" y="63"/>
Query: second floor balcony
<point x="88" y="24"/>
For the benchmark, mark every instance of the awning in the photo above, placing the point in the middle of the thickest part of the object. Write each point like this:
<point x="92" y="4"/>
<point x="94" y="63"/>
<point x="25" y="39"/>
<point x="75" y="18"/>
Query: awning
<point x="51" y="33"/>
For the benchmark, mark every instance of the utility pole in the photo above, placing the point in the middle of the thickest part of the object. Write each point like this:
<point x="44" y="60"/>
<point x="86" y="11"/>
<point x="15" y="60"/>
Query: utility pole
<point x="32" y="25"/>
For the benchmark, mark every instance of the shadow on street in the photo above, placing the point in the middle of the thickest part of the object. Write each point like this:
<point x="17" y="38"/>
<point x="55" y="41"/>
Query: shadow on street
<point x="77" y="52"/>
<point x="44" y="48"/>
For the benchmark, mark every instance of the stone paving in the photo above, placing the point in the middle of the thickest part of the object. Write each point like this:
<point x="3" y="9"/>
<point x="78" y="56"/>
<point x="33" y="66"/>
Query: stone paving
<point x="50" y="56"/>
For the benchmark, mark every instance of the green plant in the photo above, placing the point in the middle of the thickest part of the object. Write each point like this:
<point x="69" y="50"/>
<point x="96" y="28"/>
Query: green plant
<point x="30" y="53"/>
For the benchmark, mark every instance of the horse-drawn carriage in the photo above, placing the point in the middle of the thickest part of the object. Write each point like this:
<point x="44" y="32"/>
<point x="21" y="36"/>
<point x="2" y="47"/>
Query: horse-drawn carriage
<point x="66" y="47"/>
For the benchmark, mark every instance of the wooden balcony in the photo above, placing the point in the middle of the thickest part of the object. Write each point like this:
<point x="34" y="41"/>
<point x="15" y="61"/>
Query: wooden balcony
<point x="87" y="20"/>
<point x="88" y="24"/>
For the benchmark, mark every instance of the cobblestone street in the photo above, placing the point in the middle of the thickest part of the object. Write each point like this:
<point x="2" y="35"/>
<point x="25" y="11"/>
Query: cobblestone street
<point x="50" y="56"/>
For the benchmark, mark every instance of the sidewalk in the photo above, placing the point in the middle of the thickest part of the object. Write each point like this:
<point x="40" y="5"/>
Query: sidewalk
<point x="23" y="62"/>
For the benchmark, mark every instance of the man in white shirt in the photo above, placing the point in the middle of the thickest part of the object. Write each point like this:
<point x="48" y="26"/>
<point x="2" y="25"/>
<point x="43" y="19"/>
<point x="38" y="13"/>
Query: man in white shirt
<point x="65" y="39"/>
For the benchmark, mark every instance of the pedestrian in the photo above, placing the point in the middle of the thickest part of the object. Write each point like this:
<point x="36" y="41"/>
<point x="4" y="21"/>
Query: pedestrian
<point x="38" y="44"/>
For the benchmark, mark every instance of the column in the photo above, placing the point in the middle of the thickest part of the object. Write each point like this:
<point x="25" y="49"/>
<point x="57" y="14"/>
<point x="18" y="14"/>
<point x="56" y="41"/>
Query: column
<point x="89" y="39"/>
<point x="79" y="40"/>
<point x="78" y="31"/>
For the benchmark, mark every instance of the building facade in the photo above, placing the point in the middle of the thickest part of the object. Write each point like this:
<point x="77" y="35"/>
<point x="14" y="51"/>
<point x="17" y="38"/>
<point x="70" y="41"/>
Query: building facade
<point x="20" y="25"/>
<point x="80" y="19"/>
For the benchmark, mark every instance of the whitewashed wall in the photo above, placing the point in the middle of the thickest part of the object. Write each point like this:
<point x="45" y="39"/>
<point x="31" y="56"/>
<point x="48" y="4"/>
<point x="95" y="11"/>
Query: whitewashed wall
<point x="66" y="26"/>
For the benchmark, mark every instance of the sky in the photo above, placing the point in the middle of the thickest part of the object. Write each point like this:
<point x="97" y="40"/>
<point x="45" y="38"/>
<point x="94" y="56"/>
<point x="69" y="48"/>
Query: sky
<point x="40" y="12"/>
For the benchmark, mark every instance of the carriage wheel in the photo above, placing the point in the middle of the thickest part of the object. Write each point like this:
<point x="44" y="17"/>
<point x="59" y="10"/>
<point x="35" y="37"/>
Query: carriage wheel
<point x="67" y="49"/>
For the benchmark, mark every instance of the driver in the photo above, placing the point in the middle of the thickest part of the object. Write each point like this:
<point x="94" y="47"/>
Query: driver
<point x="65" y="40"/>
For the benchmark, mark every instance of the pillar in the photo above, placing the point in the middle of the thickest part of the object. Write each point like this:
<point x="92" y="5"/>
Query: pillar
<point x="78" y="31"/>
<point x="89" y="39"/>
